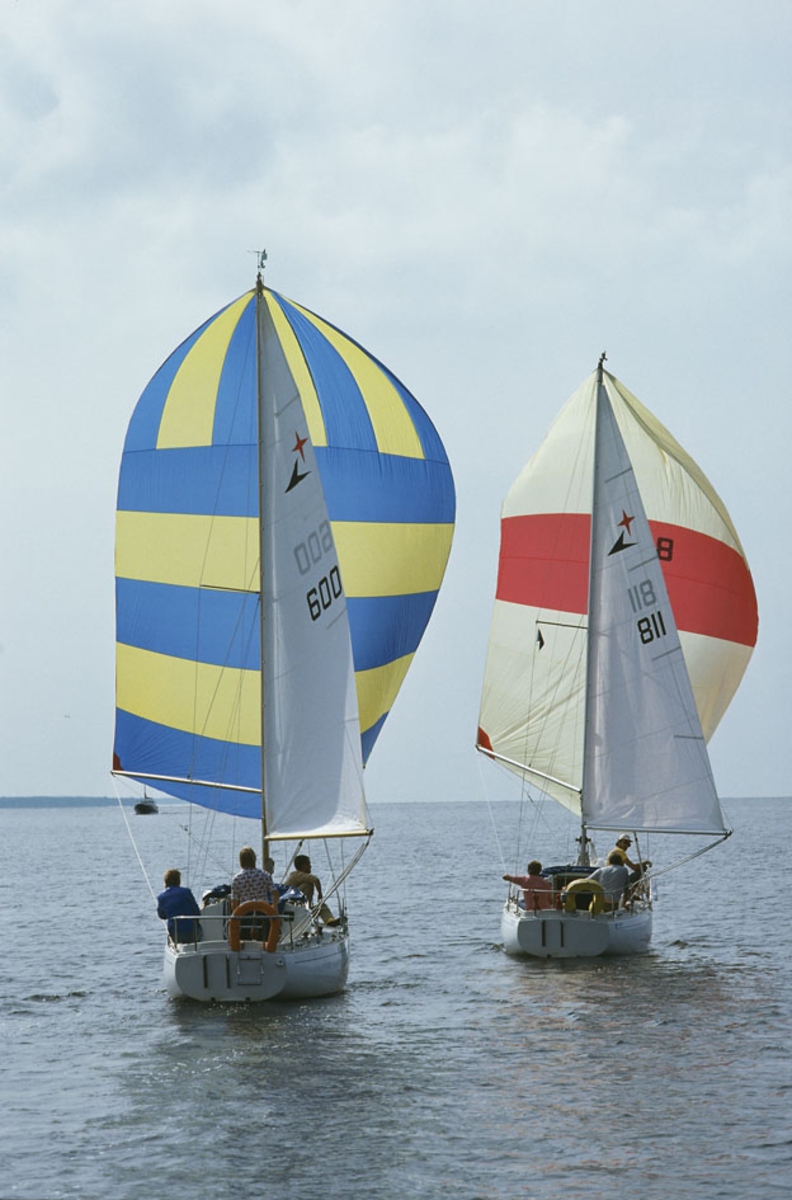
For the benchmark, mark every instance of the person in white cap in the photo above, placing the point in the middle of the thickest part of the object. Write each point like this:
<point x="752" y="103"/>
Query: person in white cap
<point x="622" y="847"/>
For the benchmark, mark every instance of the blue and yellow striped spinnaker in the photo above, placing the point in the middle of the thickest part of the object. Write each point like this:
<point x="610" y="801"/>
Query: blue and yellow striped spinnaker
<point x="188" y="693"/>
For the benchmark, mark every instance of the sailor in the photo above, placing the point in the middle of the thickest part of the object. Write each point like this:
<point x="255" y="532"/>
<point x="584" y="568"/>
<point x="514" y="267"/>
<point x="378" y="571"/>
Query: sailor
<point x="302" y="879"/>
<point x="622" y="847"/>
<point x="176" y="904"/>
<point x="537" y="891"/>
<point x="613" y="879"/>
<point x="251" y="883"/>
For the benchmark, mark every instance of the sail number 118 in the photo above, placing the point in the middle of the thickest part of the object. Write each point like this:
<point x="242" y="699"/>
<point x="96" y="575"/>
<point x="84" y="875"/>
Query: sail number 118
<point x="642" y="596"/>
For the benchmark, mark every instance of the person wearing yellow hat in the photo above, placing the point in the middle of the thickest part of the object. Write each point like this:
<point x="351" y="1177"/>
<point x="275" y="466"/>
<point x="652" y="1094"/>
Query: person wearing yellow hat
<point x="622" y="847"/>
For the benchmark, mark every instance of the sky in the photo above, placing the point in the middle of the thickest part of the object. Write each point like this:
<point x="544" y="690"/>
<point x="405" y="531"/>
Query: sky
<point x="486" y="196"/>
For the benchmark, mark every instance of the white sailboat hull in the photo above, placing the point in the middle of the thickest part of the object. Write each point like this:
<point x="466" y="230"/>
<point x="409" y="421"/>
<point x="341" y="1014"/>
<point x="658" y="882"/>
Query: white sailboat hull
<point x="556" y="934"/>
<point x="211" y="971"/>
<point x="310" y="960"/>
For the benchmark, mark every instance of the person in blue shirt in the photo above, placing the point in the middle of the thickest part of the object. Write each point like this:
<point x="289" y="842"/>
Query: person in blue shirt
<point x="176" y="904"/>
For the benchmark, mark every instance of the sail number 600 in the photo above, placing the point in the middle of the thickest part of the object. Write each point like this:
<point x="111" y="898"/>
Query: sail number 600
<point x="322" y="596"/>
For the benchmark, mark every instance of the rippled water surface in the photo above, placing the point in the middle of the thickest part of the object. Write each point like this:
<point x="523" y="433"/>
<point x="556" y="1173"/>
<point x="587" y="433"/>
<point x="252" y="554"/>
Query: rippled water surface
<point x="445" y="1070"/>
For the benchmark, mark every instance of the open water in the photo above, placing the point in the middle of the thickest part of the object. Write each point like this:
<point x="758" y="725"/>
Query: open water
<point x="445" y="1070"/>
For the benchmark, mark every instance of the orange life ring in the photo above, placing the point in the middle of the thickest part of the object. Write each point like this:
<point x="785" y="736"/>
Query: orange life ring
<point x="234" y="929"/>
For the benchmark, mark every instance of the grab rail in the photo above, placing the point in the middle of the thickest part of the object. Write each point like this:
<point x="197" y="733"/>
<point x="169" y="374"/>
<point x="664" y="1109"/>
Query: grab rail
<point x="211" y="927"/>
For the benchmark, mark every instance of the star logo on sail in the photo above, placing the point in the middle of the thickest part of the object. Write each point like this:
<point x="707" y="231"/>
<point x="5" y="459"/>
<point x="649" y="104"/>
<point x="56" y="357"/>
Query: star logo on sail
<point x="620" y="543"/>
<point x="297" y="475"/>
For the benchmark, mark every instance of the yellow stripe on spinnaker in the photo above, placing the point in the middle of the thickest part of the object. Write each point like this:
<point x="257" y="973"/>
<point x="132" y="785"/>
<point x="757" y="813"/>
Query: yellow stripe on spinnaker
<point x="189" y="412"/>
<point x="300" y="373"/>
<point x="188" y="550"/>
<point x="192" y="550"/>
<point x="377" y="689"/>
<point x="200" y="698"/>
<point x="224" y="703"/>
<point x="393" y="426"/>
<point x="379" y="559"/>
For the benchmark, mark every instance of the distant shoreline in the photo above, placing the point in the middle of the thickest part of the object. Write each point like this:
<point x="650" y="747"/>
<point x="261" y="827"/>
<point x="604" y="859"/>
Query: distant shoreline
<point x="129" y="802"/>
<point x="62" y="801"/>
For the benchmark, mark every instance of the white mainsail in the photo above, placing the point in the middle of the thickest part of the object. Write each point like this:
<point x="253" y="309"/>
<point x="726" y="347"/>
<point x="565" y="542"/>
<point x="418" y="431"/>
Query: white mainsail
<point x="645" y="764"/>
<point x="313" y="770"/>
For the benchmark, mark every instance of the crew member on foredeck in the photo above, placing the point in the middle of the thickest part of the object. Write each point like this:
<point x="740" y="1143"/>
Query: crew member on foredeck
<point x="302" y="879"/>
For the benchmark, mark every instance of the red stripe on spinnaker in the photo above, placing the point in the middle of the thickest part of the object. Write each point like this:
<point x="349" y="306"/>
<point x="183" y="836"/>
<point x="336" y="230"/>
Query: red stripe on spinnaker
<point x="544" y="564"/>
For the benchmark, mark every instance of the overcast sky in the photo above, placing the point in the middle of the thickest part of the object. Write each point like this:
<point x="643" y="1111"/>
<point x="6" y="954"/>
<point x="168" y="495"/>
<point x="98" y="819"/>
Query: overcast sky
<point x="486" y="195"/>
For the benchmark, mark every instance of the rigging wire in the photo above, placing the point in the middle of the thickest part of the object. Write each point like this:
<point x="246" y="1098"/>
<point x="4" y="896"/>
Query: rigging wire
<point x="682" y="861"/>
<point x="485" y="789"/>
<point x="134" y="843"/>
<point x="345" y="871"/>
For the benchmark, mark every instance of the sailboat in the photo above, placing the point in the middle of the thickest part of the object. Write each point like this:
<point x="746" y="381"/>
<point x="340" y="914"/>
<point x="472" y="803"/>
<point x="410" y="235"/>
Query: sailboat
<point x="285" y="514"/>
<point x="624" y="619"/>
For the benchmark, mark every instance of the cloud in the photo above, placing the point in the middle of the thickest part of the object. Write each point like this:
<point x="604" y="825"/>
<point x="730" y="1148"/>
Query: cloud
<point x="486" y="197"/>
<point x="25" y="92"/>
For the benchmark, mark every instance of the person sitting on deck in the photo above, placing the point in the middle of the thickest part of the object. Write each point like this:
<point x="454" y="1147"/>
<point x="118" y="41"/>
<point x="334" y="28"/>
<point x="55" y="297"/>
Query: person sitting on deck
<point x="622" y="848"/>
<point x="251" y="883"/>
<point x="302" y="879"/>
<point x="175" y="905"/>
<point x="537" y="891"/>
<point x="613" y="879"/>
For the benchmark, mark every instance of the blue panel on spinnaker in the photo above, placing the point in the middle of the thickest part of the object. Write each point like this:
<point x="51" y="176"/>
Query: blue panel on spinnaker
<point x="208" y="480"/>
<point x="388" y="488"/>
<point x="369" y="736"/>
<point x="199" y="624"/>
<point x="147" y="749"/>
<point x="385" y="628"/>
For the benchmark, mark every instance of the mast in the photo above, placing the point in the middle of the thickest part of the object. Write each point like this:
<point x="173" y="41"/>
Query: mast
<point x="263" y="508"/>
<point x="583" y="840"/>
